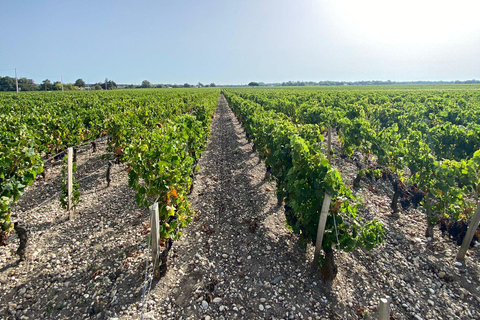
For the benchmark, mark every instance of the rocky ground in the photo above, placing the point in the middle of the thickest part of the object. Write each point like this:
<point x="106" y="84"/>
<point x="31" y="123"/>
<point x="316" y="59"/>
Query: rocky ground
<point x="236" y="260"/>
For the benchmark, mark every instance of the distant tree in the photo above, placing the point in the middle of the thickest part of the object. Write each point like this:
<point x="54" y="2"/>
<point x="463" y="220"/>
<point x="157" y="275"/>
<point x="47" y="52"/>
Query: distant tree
<point x="25" y="84"/>
<point x="97" y="86"/>
<point x="253" y="84"/>
<point x="57" y="86"/>
<point x="186" y="85"/>
<point x="146" y="84"/>
<point x="69" y="86"/>
<point x="79" y="83"/>
<point x="111" y="85"/>
<point x="46" y="85"/>
<point x="7" y="84"/>
<point x="200" y="84"/>
<point x="212" y="84"/>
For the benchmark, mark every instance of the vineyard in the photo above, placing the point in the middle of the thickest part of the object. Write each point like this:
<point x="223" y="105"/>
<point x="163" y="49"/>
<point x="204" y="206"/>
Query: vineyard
<point x="159" y="136"/>
<point x="424" y="143"/>
<point x="401" y="167"/>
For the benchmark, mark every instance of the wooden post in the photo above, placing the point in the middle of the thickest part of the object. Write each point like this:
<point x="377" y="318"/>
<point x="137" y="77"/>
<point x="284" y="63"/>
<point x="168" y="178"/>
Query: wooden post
<point x="321" y="225"/>
<point x="70" y="179"/>
<point x="329" y="144"/>
<point x="472" y="227"/>
<point x="154" y="234"/>
<point x="384" y="308"/>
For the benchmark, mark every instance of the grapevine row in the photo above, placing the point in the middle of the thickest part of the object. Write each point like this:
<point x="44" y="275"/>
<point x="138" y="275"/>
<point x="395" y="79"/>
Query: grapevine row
<point x="425" y="142"/>
<point x="294" y="156"/>
<point x="159" y="134"/>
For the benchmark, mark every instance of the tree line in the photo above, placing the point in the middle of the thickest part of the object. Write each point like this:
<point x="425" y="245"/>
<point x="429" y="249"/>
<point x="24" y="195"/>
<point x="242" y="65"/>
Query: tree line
<point x="147" y="84"/>
<point x="358" y="83"/>
<point x="24" y="84"/>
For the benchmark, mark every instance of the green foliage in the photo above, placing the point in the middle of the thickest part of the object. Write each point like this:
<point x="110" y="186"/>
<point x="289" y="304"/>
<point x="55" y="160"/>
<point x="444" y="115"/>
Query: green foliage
<point x="25" y="84"/>
<point x="7" y="84"/>
<point x="303" y="175"/>
<point x="159" y="135"/>
<point x="19" y="165"/>
<point x="46" y="85"/>
<point x="433" y="133"/>
<point x="146" y="84"/>
<point x="79" y="83"/>
<point x="161" y="146"/>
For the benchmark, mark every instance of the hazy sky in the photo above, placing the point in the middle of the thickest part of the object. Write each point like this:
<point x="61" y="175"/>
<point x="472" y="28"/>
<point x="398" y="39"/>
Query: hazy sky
<point x="234" y="42"/>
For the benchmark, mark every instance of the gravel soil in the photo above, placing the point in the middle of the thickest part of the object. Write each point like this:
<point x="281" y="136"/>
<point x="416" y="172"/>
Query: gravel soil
<point x="236" y="259"/>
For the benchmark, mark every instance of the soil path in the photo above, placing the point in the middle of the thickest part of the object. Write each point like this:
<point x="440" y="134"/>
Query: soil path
<point x="237" y="260"/>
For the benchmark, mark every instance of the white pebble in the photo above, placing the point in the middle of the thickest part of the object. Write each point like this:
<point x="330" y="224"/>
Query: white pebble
<point x="204" y="305"/>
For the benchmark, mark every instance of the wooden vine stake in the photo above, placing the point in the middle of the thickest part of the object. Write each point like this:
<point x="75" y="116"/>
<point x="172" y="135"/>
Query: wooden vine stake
<point x="154" y="234"/>
<point x="321" y="225"/>
<point x="325" y="206"/>
<point x="472" y="227"/>
<point x="384" y="308"/>
<point x="329" y="144"/>
<point x="70" y="180"/>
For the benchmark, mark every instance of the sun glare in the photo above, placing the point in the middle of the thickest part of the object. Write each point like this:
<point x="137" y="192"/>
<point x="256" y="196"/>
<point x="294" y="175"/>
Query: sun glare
<point x="409" y="21"/>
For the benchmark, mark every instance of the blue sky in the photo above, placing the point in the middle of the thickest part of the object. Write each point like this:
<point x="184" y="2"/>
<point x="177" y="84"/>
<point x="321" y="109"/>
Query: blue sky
<point x="235" y="42"/>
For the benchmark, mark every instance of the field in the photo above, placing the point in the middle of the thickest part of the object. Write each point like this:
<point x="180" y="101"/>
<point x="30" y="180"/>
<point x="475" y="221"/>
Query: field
<point x="239" y="214"/>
